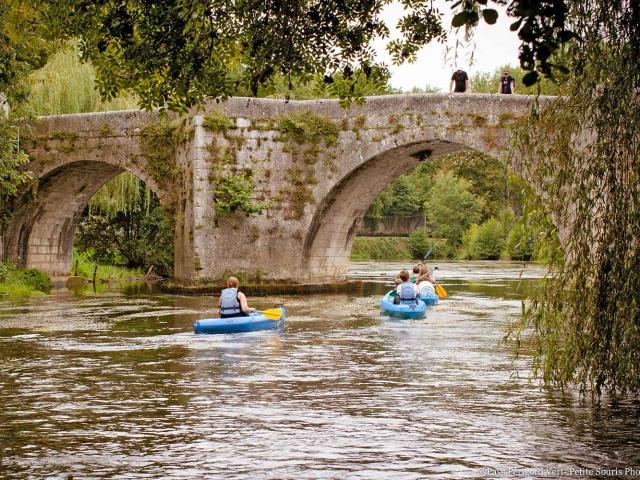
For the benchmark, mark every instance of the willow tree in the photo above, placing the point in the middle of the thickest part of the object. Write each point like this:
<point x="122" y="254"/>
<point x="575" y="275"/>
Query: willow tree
<point x="586" y="321"/>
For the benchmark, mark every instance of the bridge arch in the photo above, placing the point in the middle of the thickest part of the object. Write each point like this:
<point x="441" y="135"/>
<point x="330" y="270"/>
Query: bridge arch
<point x="339" y="214"/>
<point x="45" y="218"/>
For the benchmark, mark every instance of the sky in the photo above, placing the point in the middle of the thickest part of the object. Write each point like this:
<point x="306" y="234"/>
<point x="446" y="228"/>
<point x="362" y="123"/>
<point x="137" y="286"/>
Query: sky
<point x="494" y="46"/>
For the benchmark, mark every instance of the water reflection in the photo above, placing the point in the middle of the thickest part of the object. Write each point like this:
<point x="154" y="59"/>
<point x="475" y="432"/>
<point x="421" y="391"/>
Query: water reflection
<point x="113" y="384"/>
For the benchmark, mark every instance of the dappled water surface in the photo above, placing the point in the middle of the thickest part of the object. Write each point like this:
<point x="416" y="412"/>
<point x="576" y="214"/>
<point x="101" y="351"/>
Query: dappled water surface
<point x="116" y="385"/>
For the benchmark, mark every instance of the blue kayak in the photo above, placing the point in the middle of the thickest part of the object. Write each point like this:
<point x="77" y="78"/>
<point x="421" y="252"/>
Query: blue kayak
<point x="429" y="298"/>
<point x="415" y="309"/>
<point x="255" y="321"/>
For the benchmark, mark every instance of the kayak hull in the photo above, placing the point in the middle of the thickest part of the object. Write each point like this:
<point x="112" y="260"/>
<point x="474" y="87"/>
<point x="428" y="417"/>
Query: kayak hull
<point x="402" y="311"/>
<point x="429" y="298"/>
<point x="254" y="322"/>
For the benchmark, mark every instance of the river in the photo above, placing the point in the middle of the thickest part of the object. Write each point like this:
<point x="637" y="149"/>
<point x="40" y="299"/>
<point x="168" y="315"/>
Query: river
<point x="116" y="385"/>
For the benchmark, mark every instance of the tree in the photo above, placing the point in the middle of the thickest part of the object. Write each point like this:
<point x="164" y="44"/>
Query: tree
<point x="584" y="323"/>
<point x="176" y="52"/>
<point x="403" y="199"/>
<point x="451" y="208"/>
<point x="21" y="50"/>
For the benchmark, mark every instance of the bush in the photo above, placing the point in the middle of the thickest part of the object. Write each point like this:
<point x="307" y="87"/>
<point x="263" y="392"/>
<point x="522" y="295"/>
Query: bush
<point x="489" y="241"/>
<point x="419" y="243"/>
<point x="520" y="243"/>
<point x="380" y="248"/>
<point x="22" y="283"/>
<point x="36" y="279"/>
<point x="467" y="246"/>
<point x="451" y="208"/>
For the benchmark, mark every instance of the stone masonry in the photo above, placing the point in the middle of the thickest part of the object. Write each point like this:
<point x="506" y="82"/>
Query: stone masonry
<point x="316" y="165"/>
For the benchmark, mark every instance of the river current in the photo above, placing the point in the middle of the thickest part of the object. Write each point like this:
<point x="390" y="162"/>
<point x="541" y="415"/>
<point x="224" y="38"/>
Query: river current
<point x="116" y="385"/>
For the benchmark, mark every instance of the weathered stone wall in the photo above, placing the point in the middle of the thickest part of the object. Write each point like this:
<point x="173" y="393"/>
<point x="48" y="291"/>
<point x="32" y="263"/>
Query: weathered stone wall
<point x="319" y="196"/>
<point x="318" y="166"/>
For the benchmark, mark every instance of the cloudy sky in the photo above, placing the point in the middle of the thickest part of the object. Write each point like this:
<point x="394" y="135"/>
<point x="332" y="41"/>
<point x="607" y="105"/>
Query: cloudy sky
<point x="492" y="47"/>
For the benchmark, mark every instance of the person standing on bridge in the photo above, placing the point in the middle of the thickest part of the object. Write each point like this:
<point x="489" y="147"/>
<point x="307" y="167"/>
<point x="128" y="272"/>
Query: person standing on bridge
<point x="461" y="81"/>
<point x="507" y="83"/>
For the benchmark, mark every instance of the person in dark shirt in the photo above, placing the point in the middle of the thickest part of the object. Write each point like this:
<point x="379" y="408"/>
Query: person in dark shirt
<point x="507" y="84"/>
<point x="461" y="81"/>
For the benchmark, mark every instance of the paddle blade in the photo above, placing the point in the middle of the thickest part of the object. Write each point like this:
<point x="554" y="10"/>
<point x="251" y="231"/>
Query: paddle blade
<point x="442" y="293"/>
<point x="272" y="313"/>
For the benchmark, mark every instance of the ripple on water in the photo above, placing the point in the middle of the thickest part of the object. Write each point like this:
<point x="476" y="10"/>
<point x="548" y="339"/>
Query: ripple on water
<point x="115" y="386"/>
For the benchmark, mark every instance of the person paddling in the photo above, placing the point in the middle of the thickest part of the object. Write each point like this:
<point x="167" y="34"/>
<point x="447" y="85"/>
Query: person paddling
<point x="232" y="302"/>
<point x="407" y="291"/>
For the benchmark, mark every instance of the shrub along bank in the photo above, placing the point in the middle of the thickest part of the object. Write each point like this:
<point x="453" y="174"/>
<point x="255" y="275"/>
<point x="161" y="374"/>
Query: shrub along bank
<point x="16" y="282"/>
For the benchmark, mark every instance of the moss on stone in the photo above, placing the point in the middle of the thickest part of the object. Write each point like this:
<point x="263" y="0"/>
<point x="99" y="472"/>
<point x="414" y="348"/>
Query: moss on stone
<point x="297" y="194"/>
<point x="478" y="120"/>
<point x="158" y="145"/>
<point x="105" y="130"/>
<point x="308" y="127"/>
<point x="61" y="135"/>
<point x="217" y="122"/>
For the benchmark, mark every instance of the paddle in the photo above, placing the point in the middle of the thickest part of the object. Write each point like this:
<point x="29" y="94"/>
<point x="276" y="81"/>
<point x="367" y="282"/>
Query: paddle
<point x="272" y="313"/>
<point x="442" y="293"/>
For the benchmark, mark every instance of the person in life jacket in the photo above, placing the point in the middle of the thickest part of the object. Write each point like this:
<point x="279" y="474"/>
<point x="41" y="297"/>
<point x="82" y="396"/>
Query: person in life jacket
<point x="407" y="292"/>
<point x="415" y="275"/>
<point x="507" y="84"/>
<point x="232" y="302"/>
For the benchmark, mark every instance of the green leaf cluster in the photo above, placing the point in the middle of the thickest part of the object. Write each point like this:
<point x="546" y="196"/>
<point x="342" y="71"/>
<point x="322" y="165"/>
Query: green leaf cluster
<point x="236" y="193"/>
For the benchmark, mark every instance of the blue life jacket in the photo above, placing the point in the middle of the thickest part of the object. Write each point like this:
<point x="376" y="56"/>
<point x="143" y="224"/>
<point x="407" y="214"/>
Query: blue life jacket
<point x="407" y="292"/>
<point x="229" y="304"/>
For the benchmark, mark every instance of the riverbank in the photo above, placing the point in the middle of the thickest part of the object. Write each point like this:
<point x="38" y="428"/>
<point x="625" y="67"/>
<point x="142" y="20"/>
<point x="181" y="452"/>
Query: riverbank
<point x="84" y="267"/>
<point x="22" y="283"/>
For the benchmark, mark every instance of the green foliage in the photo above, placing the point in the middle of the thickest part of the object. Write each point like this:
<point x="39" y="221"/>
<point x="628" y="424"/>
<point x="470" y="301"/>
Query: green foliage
<point x="451" y="208"/>
<point x="236" y="193"/>
<point x="380" y="248"/>
<point x="85" y="262"/>
<point x="583" y="325"/>
<point x="176" y="55"/>
<point x="22" y="47"/>
<point x="403" y="199"/>
<point x="308" y="127"/>
<point x="66" y="85"/>
<point x="520" y="243"/>
<point x="11" y="177"/>
<point x="217" y="122"/>
<point x="158" y="143"/>
<point x="138" y="237"/>
<point x="419" y="244"/>
<point x="487" y="241"/>
<point x="15" y="282"/>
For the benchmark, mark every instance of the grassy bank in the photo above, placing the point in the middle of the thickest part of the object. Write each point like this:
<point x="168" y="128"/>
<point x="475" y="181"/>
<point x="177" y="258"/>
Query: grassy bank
<point x="16" y="282"/>
<point x="83" y="266"/>
<point x="380" y="248"/>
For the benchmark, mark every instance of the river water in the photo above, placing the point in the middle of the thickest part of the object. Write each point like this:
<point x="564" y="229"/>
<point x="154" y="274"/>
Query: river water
<point x="116" y="385"/>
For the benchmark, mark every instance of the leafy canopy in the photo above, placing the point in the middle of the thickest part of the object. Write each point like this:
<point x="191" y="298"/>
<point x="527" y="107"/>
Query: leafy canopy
<point x="175" y="52"/>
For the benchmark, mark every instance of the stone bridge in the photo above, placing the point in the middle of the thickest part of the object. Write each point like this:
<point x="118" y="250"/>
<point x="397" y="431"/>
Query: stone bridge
<point x="316" y="165"/>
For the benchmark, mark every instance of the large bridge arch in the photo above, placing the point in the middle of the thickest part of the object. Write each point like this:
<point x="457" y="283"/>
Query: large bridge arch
<point x="339" y="214"/>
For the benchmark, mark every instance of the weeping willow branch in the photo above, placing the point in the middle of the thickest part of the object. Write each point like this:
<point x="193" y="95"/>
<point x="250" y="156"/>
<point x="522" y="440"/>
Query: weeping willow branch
<point x="585" y="322"/>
